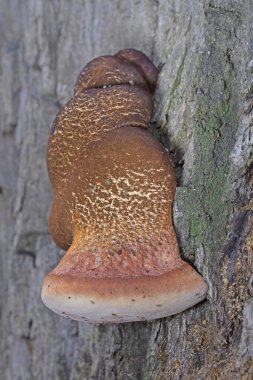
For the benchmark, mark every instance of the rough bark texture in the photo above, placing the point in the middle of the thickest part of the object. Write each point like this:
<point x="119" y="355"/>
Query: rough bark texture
<point x="204" y="116"/>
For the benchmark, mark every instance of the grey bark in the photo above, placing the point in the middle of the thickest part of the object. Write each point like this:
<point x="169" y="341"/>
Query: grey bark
<point x="204" y="116"/>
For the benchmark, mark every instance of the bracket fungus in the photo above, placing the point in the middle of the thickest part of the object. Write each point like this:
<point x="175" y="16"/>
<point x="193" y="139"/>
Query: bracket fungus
<point x="114" y="187"/>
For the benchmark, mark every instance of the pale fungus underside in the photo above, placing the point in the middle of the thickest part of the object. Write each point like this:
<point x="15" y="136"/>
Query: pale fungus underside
<point x="114" y="187"/>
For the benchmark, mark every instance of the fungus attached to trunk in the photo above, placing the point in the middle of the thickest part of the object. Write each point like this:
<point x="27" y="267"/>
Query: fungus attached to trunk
<point x="114" y="187"/>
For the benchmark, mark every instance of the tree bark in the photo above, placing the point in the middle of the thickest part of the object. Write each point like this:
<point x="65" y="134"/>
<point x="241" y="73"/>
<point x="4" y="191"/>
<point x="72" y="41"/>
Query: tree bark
<point x="203" y="115"/>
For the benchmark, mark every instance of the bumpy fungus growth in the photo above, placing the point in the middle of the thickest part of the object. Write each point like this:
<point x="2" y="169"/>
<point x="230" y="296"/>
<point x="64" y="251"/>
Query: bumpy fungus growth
<point x="114" y="186"/>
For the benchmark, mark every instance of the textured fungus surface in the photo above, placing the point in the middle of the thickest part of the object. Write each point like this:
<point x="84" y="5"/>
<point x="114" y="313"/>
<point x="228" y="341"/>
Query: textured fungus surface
<point x="114" y="188"/>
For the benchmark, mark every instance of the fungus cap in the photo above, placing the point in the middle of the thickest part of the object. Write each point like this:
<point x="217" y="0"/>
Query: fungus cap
<point x="114" y="188"/>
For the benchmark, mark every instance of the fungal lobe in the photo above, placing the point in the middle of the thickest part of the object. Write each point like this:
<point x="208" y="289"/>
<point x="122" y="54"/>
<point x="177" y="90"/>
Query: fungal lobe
<point x="114" y="187"/>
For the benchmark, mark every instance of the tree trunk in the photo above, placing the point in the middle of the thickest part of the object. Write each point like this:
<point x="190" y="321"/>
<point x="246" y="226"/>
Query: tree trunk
<point x="203" y="115"/>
